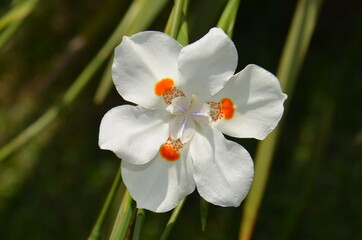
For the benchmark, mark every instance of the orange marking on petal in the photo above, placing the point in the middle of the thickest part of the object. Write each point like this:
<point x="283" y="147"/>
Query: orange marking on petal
<point x="227" y="108"/>
<point x="169" y="153"/>
<point x="169" y="150"/>
<point x="164" y="85"/>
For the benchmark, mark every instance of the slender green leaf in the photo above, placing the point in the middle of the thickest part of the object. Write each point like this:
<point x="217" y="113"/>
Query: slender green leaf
<point x="170" y="21"/>
<point x="171" y="222"/>
<point x="105" y="85"/>
<point x="182" y="36"/>
<point x="139" y="224"/>
<point x="16" y="13"/>
<point x="204" y="211"/>
<point x="8" y="32"/>
<point x="123" y="219"/>
<point x="228" y="16"/>
<point x="96" y="233"/>
<point x="176" y="21"/>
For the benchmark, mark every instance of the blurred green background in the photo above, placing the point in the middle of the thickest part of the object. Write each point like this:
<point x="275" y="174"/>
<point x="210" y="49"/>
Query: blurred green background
<point x="55" y="186"/>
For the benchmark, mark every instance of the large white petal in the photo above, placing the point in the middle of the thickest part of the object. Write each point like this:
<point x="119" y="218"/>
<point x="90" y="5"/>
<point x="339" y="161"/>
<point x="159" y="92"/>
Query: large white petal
<point x="258" y="98"/>
<point x="207" y="64"/>
<point x="142" y="60"/>
<point x="159" y="185"/>
<point x="134" y="134"/>
<point x="223" y="169"/>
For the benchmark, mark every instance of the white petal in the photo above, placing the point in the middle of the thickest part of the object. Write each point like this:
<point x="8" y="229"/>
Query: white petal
<point x="159" y="185"/>
<point x="134" y="134"/>
<point x="179" y="105"/>
<point x="142" y="60"/>
<point x="175" y="125"/>
<point x="207" y="64"/>
<point x="259" y="103"/>
<point x="223" y="169"/>
<point x="182" y="127"/>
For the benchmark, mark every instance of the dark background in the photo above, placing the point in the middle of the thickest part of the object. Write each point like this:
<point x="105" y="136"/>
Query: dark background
<point x="54" y="187"/>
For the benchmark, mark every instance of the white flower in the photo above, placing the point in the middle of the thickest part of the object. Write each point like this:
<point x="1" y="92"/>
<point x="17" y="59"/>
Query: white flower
<point x="187" y="97"/>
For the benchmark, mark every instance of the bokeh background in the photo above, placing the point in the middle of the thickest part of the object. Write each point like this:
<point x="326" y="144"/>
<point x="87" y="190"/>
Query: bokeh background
<point x="54" y="186"/>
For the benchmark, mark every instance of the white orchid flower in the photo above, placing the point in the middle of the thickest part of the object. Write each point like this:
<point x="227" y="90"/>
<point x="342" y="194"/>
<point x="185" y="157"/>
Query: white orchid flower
<point x="187" y="98"/>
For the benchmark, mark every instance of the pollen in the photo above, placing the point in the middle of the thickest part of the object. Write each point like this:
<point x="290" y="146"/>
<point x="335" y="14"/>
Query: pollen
<point x="169" y="150"/>
<point x="215" y="110"/>
<point x="171" y="94"/>
<point x="163" y="86"/>
<point x="223" y="109"/>
<point x="227" y="108"/>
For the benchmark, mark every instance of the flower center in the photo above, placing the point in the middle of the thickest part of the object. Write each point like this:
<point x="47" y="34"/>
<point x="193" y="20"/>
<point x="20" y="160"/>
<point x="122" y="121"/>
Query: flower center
<point x="187" y="113"/>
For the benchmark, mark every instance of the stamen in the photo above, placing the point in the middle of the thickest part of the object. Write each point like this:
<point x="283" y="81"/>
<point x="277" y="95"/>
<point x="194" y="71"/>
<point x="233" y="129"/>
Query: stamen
<point x="165" y="88"/>
<point x="171" y="94"/>
<point x="215" y="110"/>
<point x="169" y="150"/>
<point x="223" y="109"/>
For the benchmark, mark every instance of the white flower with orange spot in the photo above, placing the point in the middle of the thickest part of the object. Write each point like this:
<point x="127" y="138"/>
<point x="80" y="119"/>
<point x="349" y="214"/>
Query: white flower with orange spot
<point x="187" y="98"/>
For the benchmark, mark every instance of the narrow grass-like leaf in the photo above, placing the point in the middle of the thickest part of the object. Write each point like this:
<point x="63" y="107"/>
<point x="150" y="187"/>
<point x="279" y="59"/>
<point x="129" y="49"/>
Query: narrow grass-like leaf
<point x="293" y="55"/>
<point x="105" y="85"/>
<point x="123" y="219"/>
<point x="228" y="16"/>
<point x="16" y="13"/>
<point x="96" y="233"/>
<point x="170" y="21"/>
<point x="297" y="43"/>
<point x="183" y="35"/>
<point x="204" y="211"/>
<point x="176" y="18"/>
<point x="83" y="79"/>
<point x="171" y="222"/>
<point x="139" y="224"/>
<point x="12" y="20"/>
<point x="8" y="32"/>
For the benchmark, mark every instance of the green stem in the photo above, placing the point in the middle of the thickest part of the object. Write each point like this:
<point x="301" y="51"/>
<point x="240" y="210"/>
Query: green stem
<point x="105" y="84"/>
<point x="9" y="31"/>
<point x="18" y="12"/>
<point x="175" y="26"/>
<point x="172" y="220"/>
<point x="123" y="219"/>
<point x="170" y="21"/>
<point x="96" y="233"/>
<point x="293" y="55"/>
<point x="204" y="210"/>
<point x="228" y="16"/>
<point x="139" y="224"/>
